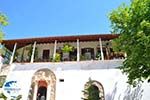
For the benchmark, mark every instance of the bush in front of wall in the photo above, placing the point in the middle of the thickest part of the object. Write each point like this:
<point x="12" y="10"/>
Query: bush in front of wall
<point x="90" y="93"/>
<point x="2" y="96"/>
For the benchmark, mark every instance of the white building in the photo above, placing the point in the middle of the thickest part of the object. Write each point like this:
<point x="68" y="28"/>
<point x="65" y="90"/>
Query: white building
<point x="43" y="67"/>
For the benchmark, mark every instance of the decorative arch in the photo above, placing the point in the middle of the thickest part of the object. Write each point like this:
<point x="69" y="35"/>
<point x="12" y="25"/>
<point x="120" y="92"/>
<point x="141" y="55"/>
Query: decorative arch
<point x="45" y="78"/>
<point x="98" y="85"/>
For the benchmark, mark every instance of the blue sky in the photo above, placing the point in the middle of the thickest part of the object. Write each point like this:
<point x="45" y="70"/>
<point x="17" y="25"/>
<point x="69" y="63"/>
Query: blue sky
<point x="40" y="18"/>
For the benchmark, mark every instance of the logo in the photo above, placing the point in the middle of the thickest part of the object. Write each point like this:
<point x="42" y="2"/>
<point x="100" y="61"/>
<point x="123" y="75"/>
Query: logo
<point x="11" y="89"/>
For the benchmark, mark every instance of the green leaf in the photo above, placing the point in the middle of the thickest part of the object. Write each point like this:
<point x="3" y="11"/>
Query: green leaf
<point x="133" y="24"/>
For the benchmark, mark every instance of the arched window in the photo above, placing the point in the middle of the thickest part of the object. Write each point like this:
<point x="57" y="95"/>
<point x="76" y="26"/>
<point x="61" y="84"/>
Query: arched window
<point x="93" y="90"/>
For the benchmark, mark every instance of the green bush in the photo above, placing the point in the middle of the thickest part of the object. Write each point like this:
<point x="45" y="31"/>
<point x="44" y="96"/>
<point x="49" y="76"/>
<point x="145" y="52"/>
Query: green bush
<point x="91" y="92"/>
<point x="57" y="58"/>
<point x="3" y="96"/>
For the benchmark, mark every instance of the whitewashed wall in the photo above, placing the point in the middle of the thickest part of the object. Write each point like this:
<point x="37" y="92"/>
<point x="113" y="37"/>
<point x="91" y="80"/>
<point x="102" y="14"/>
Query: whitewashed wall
<point x="76" y="74"/>
<point x="114" y="83"/>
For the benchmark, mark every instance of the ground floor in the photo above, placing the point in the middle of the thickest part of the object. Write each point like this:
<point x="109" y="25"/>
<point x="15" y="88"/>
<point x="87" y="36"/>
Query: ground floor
<point x="68" y="81"/>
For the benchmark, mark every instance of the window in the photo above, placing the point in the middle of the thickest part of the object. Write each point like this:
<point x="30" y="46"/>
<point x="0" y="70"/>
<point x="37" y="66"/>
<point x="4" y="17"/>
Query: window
<point x="46" y="55"/>
<point x="61" y="80"/>
<point x="88" y="53"/>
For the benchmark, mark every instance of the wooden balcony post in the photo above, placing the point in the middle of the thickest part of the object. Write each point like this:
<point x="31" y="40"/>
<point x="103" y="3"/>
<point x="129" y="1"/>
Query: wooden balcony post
<point x="33" y="51"/>
<point x="55" y="46"/>
<point x="101" y="49"/>
<point x="13" y="53"/>
<point x="78" y="50"/>
<point x="22" y="55"/>
<point x="107" y="53"/>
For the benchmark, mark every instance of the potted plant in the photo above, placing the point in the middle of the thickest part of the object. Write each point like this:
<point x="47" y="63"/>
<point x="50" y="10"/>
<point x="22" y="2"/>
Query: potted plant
<point x="57" y="57"/>
<point x="66" y="49"/>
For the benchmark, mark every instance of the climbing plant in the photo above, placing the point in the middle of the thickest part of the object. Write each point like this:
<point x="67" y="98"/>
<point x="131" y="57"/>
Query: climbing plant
<point x="91" y="92"/>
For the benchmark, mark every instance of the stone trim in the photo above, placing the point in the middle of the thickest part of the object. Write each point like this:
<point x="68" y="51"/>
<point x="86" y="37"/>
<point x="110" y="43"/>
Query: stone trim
<point x="48" y="76"/>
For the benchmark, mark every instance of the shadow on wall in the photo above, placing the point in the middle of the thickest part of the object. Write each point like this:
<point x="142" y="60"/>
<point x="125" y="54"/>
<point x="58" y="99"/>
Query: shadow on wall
<point x="130" y="93"/>
<point x="111" y="96"/>
<point x="133" y="93"/>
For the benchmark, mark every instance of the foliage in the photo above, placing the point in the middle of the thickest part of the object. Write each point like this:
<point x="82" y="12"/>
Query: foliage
<point x="57" y="57"/>
<point x="3" y="22"/>
<point x="16" y="56"/>
<point x="3" y="96"/>
<point x="2" y="50"/>
<point x="29" y="51"/>
<point x="2" y="80"/>
<point x="98" y="55"/>
<point x="1" y="35"/>
<point x="73" y="58"/>
<point x="90" y="92"/>
<point x="133" y="25"/>
<point x="19" y="97"/>
<point x="6" y="54"/>
<point x="22" y="54"/>
<point x="1" y="84"/>
<point x="82" y="57"/>
<point x="67" y="48"/>
<point x="30" y="48"/>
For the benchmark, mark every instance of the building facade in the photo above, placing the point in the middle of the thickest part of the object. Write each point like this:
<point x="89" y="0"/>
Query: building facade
<point x="59" y="68"/>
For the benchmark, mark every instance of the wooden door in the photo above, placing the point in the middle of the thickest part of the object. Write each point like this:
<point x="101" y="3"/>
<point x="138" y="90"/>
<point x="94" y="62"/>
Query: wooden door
<point x="46" y="54"/>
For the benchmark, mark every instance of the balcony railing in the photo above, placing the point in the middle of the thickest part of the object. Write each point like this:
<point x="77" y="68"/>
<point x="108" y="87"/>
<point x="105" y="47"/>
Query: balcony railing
<point x="100" y="52"/>
<point x="69" y="57"/>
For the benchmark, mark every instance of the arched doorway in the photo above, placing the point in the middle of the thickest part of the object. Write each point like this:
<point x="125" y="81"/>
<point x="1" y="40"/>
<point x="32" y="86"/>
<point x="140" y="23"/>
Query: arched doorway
<point x="43" y="84"/>
<point x="94" y="92"/>
<point x="42" y="89"/>
<point x="95" y="89"/>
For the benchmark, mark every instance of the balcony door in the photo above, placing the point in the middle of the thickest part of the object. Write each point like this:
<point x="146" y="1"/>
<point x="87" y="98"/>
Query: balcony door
<point x="88" y="53"/>
<point x="46" y="55"/>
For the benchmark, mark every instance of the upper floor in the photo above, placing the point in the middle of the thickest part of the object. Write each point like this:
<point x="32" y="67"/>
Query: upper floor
<point x="62" y="48"/>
